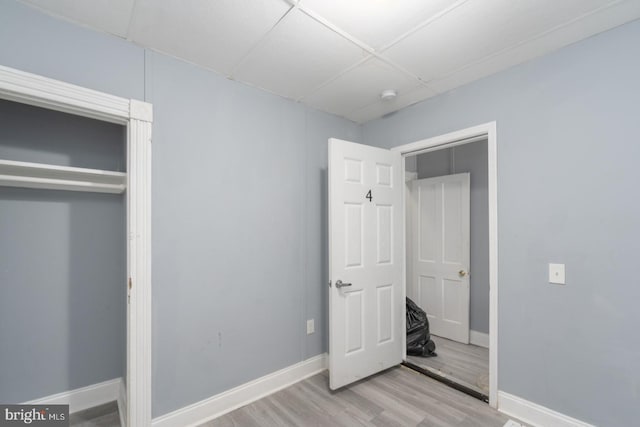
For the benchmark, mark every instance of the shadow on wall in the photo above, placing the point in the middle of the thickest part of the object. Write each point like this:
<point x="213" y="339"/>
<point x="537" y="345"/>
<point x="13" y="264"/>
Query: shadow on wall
<point x="33" y="134"/>
<point x="324" y="194"/>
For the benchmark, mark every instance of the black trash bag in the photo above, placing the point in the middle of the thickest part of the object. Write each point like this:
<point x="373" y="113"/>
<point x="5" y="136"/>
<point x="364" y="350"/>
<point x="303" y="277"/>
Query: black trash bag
<point x="419" y="341"/>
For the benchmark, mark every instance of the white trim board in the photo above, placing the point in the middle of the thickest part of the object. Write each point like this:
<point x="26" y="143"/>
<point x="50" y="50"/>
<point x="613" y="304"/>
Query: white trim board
<point x="83" y="398"/>
<point x="479" y="338"/>
<point x="32" y="89"/>
<point x="242" y="395"/>
<point x="534" y="414"/>
<point x="486" y="131"/>
<point x="122" y="403"/>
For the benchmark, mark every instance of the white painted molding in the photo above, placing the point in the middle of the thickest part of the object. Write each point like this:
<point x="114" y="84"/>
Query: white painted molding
<point x="122" y="403"/>
<point x="32" y="89"/>
<point x="463" y="136"/>
<point x="479" y="338"/>
<point x="534" y="414"/>
<point x="242" y="395"/>
<point x="139" y="274"/>
<point x="85" y="397"/>
<point x="492" y="151"/>
<point x="140" y="110"/>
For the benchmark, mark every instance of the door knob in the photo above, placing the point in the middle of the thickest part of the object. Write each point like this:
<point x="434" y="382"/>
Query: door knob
<point x="339" y="284"/>
<point x="462" y="273"/>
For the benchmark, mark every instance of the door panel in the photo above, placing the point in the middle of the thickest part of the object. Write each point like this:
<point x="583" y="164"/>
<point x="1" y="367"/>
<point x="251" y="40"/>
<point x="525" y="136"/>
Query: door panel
<point x="427" y="222"/>
<point x="353" y="321"/>
<point x="365" y="251"/>
<point x="353" y="234"/>
<point x="441" y="253"/>
<point x="385" y="233"/>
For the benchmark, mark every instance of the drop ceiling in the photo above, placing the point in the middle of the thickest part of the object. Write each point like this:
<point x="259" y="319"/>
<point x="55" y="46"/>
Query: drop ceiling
<point x="339" y="55"/>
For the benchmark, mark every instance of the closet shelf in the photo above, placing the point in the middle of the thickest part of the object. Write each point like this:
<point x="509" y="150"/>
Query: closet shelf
<point x="53" y="177"/>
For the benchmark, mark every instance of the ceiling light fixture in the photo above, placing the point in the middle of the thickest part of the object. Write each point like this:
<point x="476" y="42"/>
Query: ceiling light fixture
<point x="388" y="94"/>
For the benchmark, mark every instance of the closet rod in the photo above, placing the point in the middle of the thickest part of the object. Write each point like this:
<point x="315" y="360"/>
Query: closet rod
<point x="59" y="184"/>
<point x="55" y="177"/>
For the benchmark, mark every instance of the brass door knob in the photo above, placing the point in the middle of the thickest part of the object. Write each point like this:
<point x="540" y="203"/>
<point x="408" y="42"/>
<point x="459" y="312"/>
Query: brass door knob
<point x="462" y="273"/>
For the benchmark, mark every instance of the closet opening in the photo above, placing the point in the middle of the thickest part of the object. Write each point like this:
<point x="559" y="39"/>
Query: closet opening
<point x="63" y="259"/>
<point x="75" y="246"/>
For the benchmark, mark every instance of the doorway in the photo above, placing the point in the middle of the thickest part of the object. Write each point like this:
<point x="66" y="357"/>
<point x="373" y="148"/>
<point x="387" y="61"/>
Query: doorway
<point x="367" y="245"/>
<point x="485" y="132"/>
<point x="447" y="257"/>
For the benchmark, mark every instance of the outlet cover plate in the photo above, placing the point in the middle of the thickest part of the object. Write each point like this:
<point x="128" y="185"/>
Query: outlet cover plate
<point x="556" y="274"/>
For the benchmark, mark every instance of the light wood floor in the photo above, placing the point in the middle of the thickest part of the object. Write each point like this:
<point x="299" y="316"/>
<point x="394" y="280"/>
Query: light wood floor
<point x="396" y="397"/>
<point x="466" y="364"/>
<point x="101" y="416"/>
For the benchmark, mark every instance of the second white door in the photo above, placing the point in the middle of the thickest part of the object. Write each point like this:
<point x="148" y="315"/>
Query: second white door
<point x="441" y="253"/>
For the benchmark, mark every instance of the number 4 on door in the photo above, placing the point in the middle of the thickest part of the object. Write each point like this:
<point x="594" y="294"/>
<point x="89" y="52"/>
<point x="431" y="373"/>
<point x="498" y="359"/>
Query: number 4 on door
<point x="369" y="196"/>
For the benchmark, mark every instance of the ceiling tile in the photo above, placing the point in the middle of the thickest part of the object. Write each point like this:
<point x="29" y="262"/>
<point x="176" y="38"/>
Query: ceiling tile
<point x="381" y="108"/>
<point x="360" y="87"/>
<point x="618" y="14"/>
<point x="215" y="34"/>
<point x="297" y="57"/>
<point x="111" y="16"/>
<point x="480" y="28"/>
<point x="376" y="22"/>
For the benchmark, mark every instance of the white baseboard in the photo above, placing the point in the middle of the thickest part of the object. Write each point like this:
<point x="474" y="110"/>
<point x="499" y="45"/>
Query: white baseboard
<point x="534" y="414"/>
<point x="85" y="397"/>
<point x="122" y="403"/>
<point x="242" y="395"/>
<point x="479" y="338"/>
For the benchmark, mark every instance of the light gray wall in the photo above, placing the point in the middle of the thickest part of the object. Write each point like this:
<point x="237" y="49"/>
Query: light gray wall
<point x="240" y="257"/>
<point x="470" y="158"/>
<point x="239" y="253"/>
<point x="62" y="260"/>
<point x="568" y="150"/>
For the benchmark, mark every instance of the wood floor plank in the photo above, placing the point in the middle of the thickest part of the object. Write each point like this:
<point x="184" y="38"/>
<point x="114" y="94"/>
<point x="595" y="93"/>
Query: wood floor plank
<point x="396" y="397"/>
<point x="466" y="364"/>
<point x="106" y="415"/>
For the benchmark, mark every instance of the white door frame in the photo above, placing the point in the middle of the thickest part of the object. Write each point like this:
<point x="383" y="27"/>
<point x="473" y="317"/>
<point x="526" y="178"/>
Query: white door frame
<point x="465" y="136"/>
<point x="27" y="88"/>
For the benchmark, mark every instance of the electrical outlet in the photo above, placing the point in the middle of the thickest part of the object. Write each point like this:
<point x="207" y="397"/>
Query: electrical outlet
<point x="311" y="327"/>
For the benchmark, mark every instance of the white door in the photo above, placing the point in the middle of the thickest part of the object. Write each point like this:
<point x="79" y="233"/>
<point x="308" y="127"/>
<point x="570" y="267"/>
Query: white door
<point x="441" y="253"/>
<point x="365" y="261"/>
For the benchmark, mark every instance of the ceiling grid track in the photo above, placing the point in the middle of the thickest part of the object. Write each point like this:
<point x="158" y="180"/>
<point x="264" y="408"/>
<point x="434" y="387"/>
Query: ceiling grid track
<point x="373" y="53"/>
<point x="263" y="39"/>
<point x="134" y="7"/>
<point x="423" y="24"/>
<point x="524" y="42"/>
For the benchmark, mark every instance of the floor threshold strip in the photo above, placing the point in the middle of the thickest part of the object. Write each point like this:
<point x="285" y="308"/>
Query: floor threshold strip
<point x="471" y="392"/>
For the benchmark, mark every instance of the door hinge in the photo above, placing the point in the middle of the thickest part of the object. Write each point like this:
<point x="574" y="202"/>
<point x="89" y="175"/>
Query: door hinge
<point x="329" y="283"/>
<point x="130" y="283"/>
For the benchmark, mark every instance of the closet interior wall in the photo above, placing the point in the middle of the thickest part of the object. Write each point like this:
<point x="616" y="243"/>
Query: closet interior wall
<point x="62" y="259"/>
